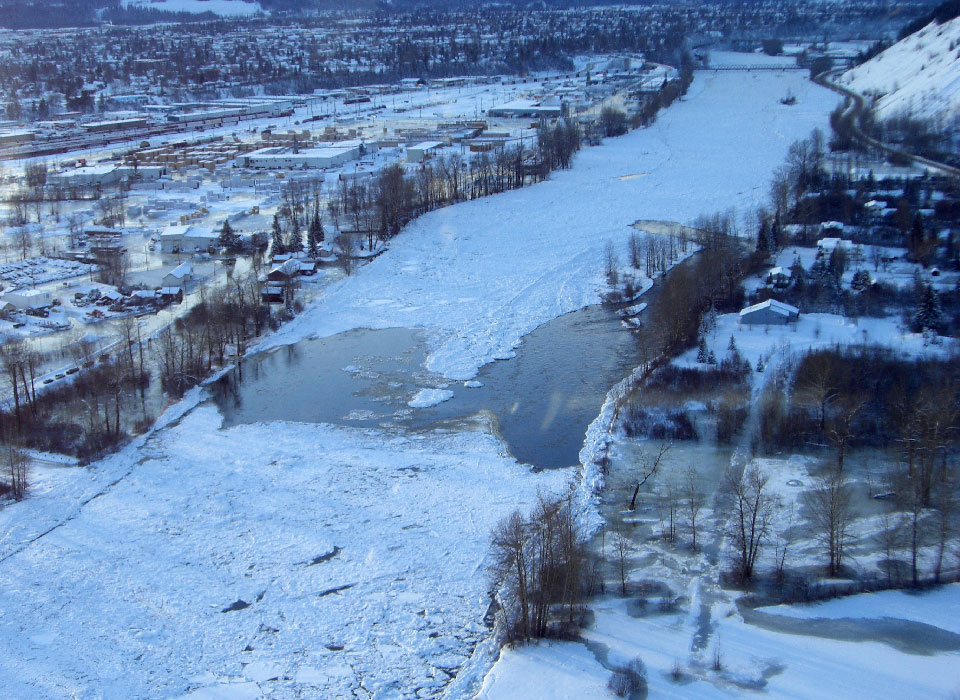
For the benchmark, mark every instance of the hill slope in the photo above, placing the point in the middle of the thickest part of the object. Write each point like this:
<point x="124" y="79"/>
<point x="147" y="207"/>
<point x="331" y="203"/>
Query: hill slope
<point x="919" y="75"/>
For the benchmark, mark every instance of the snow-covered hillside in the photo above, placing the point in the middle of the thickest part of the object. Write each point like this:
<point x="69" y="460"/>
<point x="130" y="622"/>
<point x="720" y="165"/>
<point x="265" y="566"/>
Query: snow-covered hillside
<point x="920" y="74"/>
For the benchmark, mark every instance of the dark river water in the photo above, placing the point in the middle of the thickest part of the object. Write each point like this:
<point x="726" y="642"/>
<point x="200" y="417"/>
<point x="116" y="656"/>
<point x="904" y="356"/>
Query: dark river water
<point x="541" y="400"/>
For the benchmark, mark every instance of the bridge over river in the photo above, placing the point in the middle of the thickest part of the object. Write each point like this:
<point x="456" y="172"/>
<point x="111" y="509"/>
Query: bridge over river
<point x="752" y="67"/>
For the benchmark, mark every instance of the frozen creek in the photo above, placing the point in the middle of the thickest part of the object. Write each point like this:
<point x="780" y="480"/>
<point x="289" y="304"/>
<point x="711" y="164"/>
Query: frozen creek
<point x="289" y="559"/>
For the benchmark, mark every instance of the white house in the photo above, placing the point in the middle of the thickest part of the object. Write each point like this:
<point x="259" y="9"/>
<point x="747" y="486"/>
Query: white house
<point x="826" y="246"/>
<point x="769" y="313"/>
<point x="180" y="276"/>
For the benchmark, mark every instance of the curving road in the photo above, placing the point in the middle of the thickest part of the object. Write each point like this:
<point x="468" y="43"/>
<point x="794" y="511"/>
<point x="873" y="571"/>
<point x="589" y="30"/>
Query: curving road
<point x="855" y="109"/>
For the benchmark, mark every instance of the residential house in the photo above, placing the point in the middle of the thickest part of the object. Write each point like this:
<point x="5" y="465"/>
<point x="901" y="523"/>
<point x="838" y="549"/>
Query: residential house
<point x="769" y="313"/>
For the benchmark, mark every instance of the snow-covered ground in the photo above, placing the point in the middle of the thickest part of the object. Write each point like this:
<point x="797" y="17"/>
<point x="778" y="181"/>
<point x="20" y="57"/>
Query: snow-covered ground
<point x="123" y="595"/>
<point x="890" y="644"/>
<point x="362" y="557"/>
<point x="940" y="608"/>
<point x="224" y="8"/>
<point x="919" y="75"/>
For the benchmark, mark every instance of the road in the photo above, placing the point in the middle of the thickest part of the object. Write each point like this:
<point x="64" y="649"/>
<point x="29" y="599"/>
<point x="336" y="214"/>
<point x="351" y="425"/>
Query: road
<point x="855" y="109"/>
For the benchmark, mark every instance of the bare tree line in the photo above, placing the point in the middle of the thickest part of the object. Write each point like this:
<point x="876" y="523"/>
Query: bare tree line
<point x="542" y="569"/>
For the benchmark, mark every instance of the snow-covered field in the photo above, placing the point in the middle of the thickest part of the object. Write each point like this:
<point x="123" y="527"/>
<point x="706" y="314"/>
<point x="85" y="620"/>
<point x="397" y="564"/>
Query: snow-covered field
<point x="124" y="596"/>
<point x="920" y="75"/>
<point x="224" y="8"/>
<point x="753" y="659"/>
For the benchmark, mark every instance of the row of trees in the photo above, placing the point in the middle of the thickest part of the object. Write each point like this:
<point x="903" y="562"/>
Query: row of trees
<point x="916" y="535"/>
<point x="87" y="415"/>
<point x="381" y="207"/>
<point x="226" y="318"/>
<point x="711" y="279"/>
<point x="542" y="570"/>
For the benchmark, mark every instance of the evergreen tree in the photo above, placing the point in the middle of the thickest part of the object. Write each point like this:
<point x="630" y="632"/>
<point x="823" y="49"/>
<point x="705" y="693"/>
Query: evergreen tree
<point x="929" y="314"/>
<point x="763" y="239"/>
<point x="315" y="235"/>
<point x="276" y="243"/>
<point x="860" y="281"/>
<point x="797" y="274"/>
<point x="702" y="353"/>
<point x="295" y="245"/>
<point x="229" y="239"/>
<point x="917" y="238"/>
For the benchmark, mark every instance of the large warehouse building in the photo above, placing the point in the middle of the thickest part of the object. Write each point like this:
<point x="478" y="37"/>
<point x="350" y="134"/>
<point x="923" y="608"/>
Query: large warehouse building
<point x="329" y="156"/>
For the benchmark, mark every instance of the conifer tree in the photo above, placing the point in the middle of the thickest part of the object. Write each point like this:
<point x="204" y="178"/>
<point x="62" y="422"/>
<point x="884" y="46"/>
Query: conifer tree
<point x="228" y="237"/>
<point x="276" y="244"/>
<point x="315" y="235"/>
<point x="702" y="353"/>
<point x="929" y="314"/>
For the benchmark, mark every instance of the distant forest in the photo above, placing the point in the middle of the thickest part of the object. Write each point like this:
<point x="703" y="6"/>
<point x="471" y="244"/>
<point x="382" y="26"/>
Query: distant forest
<point x="49" y="14"/>
<point x="43" y="14"/>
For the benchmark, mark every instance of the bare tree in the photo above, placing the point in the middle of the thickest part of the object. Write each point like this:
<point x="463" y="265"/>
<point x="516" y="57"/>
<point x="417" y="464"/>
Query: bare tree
<point x="909" y="489"/>
<point x="635" y="250"/>
<point x="542" y="562"/>
<point x="667" y="506"/>
<point x="693" y="501"/>
<point x="509" y="543"/>
<point x="829" y="515"/>
<point x="890" y="539"/>
<point x="818" y="391"/>
<point x="621" y="546"/>
<point x="946" y="511"/>
<point x="783" y="540"/>
<point x="11" y="355"/>
<point x="345" y="248"/>
<point x="611" y="265"/>
<point x="841" y="430"/>
<point x="24" y="241"/>
<point x="17" y="462"/>
<point x="752" y="509"/>
<point x="649" y="464"/>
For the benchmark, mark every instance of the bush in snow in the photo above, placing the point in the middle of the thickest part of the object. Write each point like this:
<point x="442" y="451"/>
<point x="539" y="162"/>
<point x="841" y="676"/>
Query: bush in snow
<point x="628" y="679"/>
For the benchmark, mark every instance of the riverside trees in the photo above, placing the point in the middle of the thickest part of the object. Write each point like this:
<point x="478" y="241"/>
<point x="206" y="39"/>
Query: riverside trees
<point x="543" y="569"/>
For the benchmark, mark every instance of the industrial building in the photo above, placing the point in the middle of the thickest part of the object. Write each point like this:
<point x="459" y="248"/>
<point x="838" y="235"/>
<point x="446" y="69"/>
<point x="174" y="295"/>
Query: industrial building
<point x="187" y="239"/>
<point x="329" y="156"/>
<point x="419" y="152"/>
<point x="528" y="109"/>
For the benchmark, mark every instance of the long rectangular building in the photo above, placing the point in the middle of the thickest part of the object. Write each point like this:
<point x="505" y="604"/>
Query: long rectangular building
<point x="283" y="158"/>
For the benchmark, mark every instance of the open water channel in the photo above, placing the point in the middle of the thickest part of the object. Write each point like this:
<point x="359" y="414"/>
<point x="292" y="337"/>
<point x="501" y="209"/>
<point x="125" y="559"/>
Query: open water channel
<point x="541" y="401"/>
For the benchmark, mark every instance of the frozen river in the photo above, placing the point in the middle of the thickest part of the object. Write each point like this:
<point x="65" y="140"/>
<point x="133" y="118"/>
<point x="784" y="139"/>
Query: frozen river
<point x="288" y="559"/>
